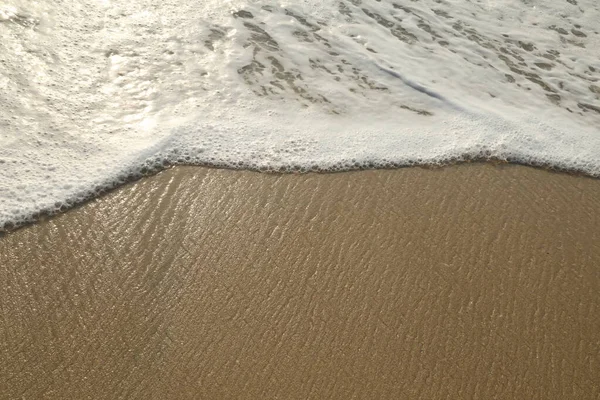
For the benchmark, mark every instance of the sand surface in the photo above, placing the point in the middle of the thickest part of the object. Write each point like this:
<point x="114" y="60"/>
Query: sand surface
<point x="473" y="281"/>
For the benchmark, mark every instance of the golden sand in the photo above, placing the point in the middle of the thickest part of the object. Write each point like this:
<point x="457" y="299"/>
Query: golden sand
<point x="471" y="281"/>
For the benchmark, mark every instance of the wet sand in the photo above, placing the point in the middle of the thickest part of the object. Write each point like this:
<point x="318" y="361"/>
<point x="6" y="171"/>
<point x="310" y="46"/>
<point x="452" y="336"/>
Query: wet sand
<point x="473" y="281"/>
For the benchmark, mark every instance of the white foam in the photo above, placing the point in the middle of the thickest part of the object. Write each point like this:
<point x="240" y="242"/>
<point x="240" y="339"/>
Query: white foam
<point x="93" y="92"/>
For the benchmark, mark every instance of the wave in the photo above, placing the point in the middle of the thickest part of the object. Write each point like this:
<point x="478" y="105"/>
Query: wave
<point x="94" y="93"/>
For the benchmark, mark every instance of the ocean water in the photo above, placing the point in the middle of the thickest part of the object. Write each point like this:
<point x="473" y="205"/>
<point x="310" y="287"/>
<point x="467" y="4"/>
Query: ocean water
<point x="93" y="92"/>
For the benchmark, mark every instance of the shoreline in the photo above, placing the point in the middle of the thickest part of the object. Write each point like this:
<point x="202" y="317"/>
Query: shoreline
<point x="44" y="215"/>
<point x="471" y="280"/>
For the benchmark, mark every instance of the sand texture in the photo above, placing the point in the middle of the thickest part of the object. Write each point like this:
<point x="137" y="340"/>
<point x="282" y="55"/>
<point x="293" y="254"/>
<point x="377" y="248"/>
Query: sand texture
<point x="473" y="281"/>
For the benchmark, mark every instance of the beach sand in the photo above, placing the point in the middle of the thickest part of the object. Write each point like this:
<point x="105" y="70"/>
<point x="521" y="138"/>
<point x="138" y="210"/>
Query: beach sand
<point x="472" y="281"/>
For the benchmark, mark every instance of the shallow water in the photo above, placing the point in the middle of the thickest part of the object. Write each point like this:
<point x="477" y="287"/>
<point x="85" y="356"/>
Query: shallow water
<point x="467" y="282"/>
<point x="93" y="92"/>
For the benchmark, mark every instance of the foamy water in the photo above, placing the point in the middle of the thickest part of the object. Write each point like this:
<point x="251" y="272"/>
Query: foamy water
<point x="95" y="91"/>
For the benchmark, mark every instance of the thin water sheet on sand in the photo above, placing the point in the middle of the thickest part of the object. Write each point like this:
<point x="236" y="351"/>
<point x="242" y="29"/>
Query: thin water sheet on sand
<point x="473" y="281"/>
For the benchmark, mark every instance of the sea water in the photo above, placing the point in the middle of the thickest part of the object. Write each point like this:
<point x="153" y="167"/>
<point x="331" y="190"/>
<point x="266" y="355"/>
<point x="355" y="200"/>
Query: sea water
<point x="94" y="92"/>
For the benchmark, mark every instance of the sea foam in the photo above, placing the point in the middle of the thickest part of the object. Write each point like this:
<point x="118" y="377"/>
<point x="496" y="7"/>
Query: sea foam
<point x="93" y="93"/>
